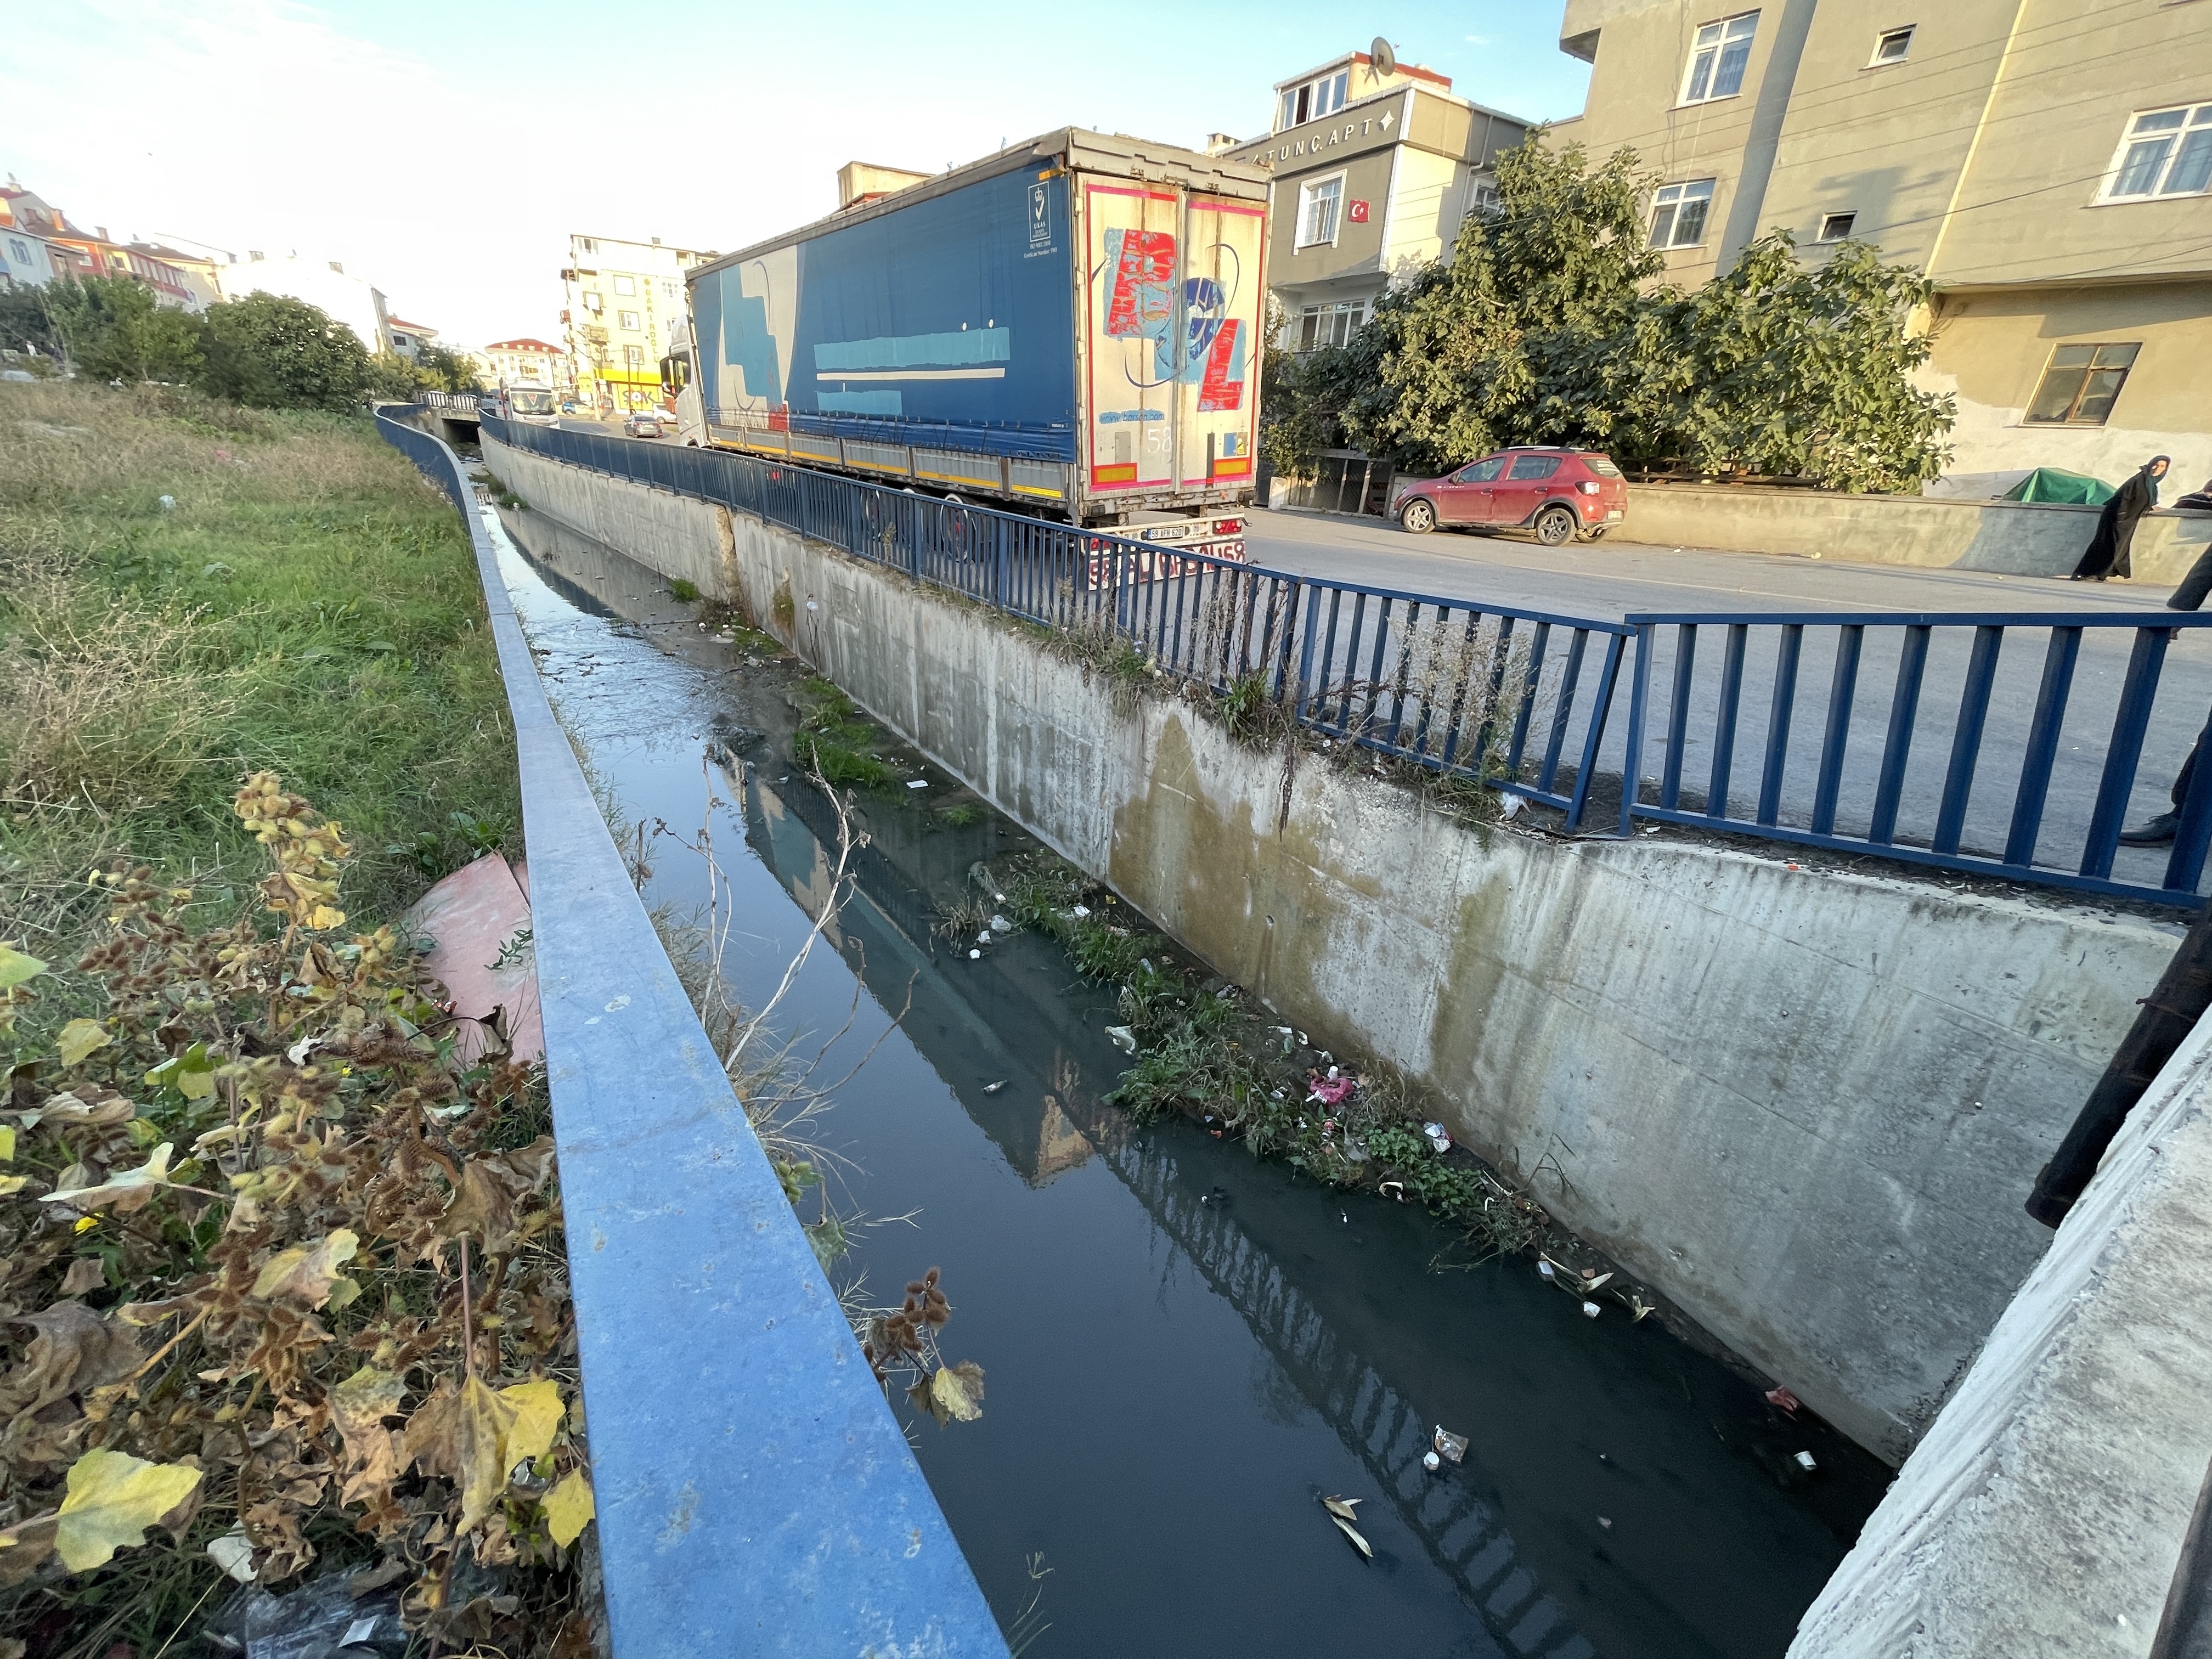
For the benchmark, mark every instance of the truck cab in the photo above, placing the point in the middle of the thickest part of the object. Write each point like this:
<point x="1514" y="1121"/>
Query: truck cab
<point x="679" y="387"/>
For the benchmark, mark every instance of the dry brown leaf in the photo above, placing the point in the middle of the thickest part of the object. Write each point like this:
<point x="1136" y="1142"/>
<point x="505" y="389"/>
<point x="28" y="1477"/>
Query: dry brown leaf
<point x="427" y="1443"/>
<point x="25" y="1546"/>
<point x="85" y="1274"/>
<point x="482" y="1424"/>
<point x="358" y="1408"/>
<point x="75" y="1350"/>
<point x="69" y="1111"/>
<point x="309" y="1271"/>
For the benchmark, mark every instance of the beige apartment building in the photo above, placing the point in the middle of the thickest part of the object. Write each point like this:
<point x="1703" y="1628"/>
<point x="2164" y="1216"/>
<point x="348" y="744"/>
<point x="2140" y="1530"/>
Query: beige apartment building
<point x="2048" y="162"/>
<point x="1375" y="165"/>
<point x="620" y="305"/>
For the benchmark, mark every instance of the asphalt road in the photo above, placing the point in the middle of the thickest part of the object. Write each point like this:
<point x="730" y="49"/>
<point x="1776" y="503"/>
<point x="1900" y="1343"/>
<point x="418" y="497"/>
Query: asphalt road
<point x="1609" y="580"/>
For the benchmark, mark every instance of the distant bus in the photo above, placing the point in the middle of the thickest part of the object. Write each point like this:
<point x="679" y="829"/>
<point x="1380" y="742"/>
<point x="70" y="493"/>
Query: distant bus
<point x="533" y="405"/>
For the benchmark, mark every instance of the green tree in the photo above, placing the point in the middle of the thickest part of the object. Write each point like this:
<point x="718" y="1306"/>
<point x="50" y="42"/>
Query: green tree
<point x="1530" y="334"/>
<point x="112" y="329"/>
<point x="392" y="376"/>
<point x="1802" y="373"/>
<point x="447" y="371"/>
<point x="24" y="323"/>
<point x="1545" y="327"/>
<point x="276" y="352"/>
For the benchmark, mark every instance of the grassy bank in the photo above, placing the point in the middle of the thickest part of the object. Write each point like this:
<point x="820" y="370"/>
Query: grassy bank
<point x="252" y="1211"/>
<point x="302" y="603"/>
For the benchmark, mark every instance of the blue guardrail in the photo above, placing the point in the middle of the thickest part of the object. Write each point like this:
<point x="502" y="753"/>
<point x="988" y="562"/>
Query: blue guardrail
<point x="1519" y="700"/>
<point x="755" y="1493"/>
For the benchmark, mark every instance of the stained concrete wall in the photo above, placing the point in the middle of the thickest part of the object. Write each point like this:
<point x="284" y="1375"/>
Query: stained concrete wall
<point x="2045" y="1511"/>
<point x="2018" y="538"/>
<point x="1805" y="1106"/>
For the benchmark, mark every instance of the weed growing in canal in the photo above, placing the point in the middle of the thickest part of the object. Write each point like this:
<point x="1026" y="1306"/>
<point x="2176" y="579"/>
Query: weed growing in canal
<point x="787" y="612"/>
<point x="1252" y="716"/>
<point x="682" y="592"/>
<point x="961" y="815"/>
<point x="1206" y="1052"/>
<point x="835" y="743"/>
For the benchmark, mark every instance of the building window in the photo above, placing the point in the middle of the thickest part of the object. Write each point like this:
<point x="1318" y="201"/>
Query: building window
<point x="1889" y="46"/>
<point x="1836" y="227"/>
<point x="633" y="356"/>
<point x="627" y="319"/>
<point x="594" y="303"/>
<point x="1678" y="214"/>
<point x="1717" y="59"/>
<point x="1314" y="100"/>
<point x="1331" y="325"/>
<point x="2168" y="152"/>
<point x="1317" y="209"/>
<point x="625" y="284"/>
<point x="1484" y="196"/>
<point x="2082" y="384"/>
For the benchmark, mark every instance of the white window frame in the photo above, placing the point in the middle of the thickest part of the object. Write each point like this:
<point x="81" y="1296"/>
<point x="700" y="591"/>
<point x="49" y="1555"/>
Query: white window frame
<point x="627" y="320"/>
<point x="1850" y="218"/>
<point x="2193" y="131"/>
<point x="1328" y="318"/>
<point x="1708" y="47"/>
<point x="626" y="285"/>
<point x="1884" y="38"/>
<point x="1309" y="192"/>
<point x="1323" y="96"/>
<point x="1671" y="197"/>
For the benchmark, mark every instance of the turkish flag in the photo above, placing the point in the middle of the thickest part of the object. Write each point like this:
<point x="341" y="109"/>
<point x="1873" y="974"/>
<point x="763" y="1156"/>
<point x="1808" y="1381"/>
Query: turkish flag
<point x="1359" y="213"/>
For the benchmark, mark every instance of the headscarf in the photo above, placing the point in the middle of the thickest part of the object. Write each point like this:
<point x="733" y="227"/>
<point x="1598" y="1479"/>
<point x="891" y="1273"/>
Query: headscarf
<point x="2149" y="480"/>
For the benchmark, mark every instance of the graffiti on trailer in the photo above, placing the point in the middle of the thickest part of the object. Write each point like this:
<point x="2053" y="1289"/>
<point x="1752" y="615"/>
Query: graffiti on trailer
<point x="1140" y="306"/>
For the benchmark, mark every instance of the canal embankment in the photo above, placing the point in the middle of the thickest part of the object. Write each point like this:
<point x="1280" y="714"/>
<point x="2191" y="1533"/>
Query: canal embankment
<point x="1803" y="1103"/>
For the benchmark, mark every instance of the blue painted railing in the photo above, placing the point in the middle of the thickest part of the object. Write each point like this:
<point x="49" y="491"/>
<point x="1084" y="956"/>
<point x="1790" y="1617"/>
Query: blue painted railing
<point x="1520" y="699"/>
<point x="755" y="1493"/>
<point x="1901" y="766"/>
<point x="1516" y="696"/>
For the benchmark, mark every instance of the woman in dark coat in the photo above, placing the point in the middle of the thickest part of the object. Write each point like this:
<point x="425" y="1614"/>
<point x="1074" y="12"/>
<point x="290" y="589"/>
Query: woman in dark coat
<point x="2115" y="524"/>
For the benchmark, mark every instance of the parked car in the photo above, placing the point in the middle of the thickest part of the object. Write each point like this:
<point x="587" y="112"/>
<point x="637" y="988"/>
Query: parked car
<point x="1558" y="493"/>
<point x="644" y="423"/>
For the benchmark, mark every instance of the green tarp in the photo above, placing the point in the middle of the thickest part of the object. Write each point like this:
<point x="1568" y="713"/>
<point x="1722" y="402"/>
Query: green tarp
<point x="2048" y="483"/>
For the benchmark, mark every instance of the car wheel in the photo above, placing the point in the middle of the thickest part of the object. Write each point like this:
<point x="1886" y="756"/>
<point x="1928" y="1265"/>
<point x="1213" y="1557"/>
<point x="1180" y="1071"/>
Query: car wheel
<point x="1554" y="525"/>
<point x="1418" y="516"/>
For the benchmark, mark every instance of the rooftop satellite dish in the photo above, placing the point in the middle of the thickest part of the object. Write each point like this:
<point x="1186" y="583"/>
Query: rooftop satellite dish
<point x="1385" y="60"/>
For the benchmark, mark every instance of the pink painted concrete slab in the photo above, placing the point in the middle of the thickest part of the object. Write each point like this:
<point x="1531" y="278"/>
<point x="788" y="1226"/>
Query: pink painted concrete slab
<point x="473" y="915"/>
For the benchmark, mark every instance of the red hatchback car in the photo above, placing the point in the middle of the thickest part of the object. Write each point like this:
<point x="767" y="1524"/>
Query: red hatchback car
<point x="1558" y="493"/>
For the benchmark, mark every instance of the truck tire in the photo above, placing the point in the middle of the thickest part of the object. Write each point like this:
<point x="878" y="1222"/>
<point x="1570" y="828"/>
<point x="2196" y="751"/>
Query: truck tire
<point x="1554" y="526"/>
<point x="1417" y="516"/>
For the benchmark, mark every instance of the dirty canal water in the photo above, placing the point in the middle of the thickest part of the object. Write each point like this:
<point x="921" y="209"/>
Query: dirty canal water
<point x="1184" y="1348"/>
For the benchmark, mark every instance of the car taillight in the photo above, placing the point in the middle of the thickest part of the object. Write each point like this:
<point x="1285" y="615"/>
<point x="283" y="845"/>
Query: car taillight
<point x="1589" y="486"/>
<point x="1227" y="526"/>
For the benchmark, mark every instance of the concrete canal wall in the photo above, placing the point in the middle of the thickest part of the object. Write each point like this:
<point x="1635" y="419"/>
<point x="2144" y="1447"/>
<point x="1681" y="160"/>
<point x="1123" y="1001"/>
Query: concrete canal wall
<point x="1805" y="1105"/>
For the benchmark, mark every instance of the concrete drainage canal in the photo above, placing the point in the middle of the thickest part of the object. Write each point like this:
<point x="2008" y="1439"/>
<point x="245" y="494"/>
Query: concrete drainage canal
<point x="1186" y="1349"/>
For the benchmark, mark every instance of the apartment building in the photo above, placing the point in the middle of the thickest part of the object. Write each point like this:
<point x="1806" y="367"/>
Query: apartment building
<point x="620" y="303"/>
<point x="2047" y="162"/>
<point x="1375" y="164"/>
<point x="525" y="363"/>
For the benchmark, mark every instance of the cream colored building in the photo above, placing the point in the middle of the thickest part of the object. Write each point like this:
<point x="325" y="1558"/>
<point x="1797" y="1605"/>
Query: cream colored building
<point x="2048" y="162"/>
<point x="525" y="363"/>
<point x="620" y="304"/>
<point x="1374" y="168"/>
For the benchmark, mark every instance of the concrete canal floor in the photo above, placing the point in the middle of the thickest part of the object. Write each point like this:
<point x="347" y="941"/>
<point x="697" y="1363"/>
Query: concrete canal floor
<point x="1184" y="1348"/>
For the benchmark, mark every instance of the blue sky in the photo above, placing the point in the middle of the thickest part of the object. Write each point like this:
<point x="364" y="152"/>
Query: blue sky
<point x="265" y="124"/>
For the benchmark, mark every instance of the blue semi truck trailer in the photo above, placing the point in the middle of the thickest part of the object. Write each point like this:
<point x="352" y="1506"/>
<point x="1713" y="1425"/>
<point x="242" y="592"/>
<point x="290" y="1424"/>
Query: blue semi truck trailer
<point x="1071" y="327"/>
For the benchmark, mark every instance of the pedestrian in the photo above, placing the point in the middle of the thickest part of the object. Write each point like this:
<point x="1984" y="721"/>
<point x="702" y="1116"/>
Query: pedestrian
<point x="2197" y="501"/>
<point x="2115" y="524"/>
<point x="2160" y="830"/>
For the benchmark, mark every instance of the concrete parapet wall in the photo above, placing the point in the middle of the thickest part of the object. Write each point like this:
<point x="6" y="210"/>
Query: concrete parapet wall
<point x="2020" y="538"/>
<point x="1807" y="1106"/>
<point x="2046" y="1510"/>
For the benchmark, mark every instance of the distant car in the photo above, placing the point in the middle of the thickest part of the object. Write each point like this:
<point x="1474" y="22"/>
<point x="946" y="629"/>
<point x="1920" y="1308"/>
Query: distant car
<point x="488" y="403"/>
<point x="643" y="424"/>
<point x="1559" y="494"/>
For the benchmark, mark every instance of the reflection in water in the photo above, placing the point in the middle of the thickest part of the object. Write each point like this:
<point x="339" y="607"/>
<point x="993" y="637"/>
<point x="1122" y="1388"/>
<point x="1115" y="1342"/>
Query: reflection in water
<point x="1172" y="1382"/>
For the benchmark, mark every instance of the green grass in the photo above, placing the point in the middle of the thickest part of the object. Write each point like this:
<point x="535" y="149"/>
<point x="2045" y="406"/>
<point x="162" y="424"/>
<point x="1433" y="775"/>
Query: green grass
<point x="308" y="606"/>
<point x="833" y="740"/>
